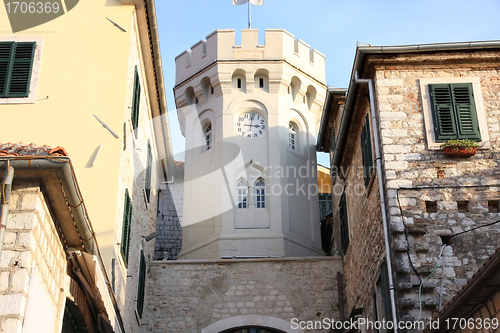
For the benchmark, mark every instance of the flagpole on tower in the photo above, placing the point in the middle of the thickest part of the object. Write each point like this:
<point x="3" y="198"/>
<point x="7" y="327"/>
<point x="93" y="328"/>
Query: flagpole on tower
<point x="249" y="15"/>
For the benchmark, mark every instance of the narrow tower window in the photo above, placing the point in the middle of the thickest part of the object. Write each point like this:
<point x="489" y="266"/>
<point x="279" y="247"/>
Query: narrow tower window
<point x="208" y="136"/>
<point x="261" y="82"/>
<point x="260" y="193"/>
<point x="292" y="136"/>
<point x="239" y="83"/>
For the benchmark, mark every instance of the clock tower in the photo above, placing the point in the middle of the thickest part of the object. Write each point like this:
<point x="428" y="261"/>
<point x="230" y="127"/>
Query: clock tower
<point x="250" y="115"/>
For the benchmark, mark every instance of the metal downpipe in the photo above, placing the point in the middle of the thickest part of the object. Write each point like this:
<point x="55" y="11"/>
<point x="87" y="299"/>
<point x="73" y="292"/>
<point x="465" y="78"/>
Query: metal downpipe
<point x="383" y="207"/>
<point x="4" y="208"/>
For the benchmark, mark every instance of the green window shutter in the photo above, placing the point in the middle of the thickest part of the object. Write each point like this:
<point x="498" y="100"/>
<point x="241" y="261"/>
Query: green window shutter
<point x="366" y="150"/>
<point x="454" y="112"/>
<point x="127" y="219"/>
<point x="5" y="57"/>
<point x="16" y="61"/>
<point x="344" y="224"/>
<point x="465" y="111"/>
<point x="136" y="100"/>
<point x="142" y="285"/>
<point x="149" y="163"/>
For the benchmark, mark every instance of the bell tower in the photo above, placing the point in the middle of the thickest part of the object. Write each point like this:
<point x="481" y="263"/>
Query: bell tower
<point x="250" y="115"/>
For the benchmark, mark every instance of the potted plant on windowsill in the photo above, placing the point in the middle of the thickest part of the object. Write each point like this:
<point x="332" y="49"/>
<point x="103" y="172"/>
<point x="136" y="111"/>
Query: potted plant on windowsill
<point x="460" y="148"/>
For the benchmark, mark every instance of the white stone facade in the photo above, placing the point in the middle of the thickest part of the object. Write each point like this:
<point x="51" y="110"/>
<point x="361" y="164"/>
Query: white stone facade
<point x="281" y="83"/>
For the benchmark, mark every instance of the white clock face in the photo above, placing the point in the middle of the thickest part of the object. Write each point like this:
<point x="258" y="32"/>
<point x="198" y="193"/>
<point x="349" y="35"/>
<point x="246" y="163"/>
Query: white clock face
<point x="250" y="125"/>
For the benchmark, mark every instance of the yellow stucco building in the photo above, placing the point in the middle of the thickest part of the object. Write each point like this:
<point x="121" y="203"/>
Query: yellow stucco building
<point x="84" y="65"/>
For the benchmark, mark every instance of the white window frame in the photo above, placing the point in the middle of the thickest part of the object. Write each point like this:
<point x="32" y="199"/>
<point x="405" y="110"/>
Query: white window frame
<point x="427" y="108"/>
<point x="260" y="193"/>
<point x="242" y="190"/>
<point x="35" y="70"/>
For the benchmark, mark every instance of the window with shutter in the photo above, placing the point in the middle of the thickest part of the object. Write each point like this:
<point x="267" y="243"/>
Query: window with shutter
<point x="366" y="151"/>
<point x="454" y="112"/>
<point x="142" y="284"/>
<point x="16" y="63"/>
<point x="382" y="297"/>
<point x="149" y="163"/>
<point x="127" y="219"/>
<point x="136" y="101"/>
<point x="344" y="224"/>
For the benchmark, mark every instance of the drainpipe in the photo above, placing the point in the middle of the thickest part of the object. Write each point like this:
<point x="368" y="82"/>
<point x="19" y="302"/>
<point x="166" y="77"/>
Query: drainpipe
<point x="383" y="207"/>
<point x="4" y="209"/>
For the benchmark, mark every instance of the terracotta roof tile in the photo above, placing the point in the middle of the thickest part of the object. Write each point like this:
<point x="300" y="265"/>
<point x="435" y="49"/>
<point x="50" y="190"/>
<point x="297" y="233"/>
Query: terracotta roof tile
<point x="21" y="149"/>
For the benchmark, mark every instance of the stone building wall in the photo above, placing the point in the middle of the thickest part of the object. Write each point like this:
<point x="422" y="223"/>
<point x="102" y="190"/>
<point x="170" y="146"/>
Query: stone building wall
<point x="187" y="296"/>
<point x="169" y="221"/>
<point x="463" y="197"/>
<point x="366" y="250"/>
<point x="132" y="177"/>
<point x="33" y="264"/>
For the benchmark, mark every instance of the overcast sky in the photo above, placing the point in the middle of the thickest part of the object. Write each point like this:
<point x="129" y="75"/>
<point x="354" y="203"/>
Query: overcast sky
<point x="331" y="26"/>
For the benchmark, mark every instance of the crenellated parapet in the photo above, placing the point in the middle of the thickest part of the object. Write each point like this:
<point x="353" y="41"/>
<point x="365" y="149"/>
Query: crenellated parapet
<point x="221" y="46"/>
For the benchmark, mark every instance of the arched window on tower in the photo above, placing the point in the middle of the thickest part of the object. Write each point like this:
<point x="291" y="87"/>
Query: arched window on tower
<point x="242" y="188"/>
<point x="207" y="132"/>
<point x="292" y="136"/>
<point x="260" y="193"/>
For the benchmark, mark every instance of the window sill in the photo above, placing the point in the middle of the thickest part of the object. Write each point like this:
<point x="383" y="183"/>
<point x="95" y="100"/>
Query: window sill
<point x="484" y="145"/>
<point x="296" y="153"/>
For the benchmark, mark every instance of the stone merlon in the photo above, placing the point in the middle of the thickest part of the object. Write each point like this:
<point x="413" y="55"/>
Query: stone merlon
<point x="221" y="45"/>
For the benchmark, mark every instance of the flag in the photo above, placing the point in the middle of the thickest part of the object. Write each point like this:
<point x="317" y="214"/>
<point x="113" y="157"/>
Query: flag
<point x="253" y="2"/>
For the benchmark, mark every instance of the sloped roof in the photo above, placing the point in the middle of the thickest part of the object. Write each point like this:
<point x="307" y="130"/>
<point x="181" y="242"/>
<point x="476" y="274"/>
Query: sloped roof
<point x="21" y="149"/>
<point x="483" y="285"/>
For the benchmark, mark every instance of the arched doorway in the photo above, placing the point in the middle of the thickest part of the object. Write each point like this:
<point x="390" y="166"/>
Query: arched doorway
<point x="251" y="324"/>
<point x="253" y="329"/>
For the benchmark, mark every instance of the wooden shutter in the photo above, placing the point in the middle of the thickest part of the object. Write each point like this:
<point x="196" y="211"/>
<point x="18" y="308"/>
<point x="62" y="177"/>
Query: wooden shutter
<point x="136" y="100"/>
<point x="148" y="173"/>
<point x="142" y="285"/>
<point x="366" y="150"/>
<point x="344" y="224"/>
<point x="454" y="112"/>
<point x="16" y="61"/>
<point x="127" y="219"/>
<point x="5" y="56"/>
<point x="465" y="111"/>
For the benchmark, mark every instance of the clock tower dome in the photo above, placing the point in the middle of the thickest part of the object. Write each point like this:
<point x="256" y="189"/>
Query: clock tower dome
<point x="250" y="115"/>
